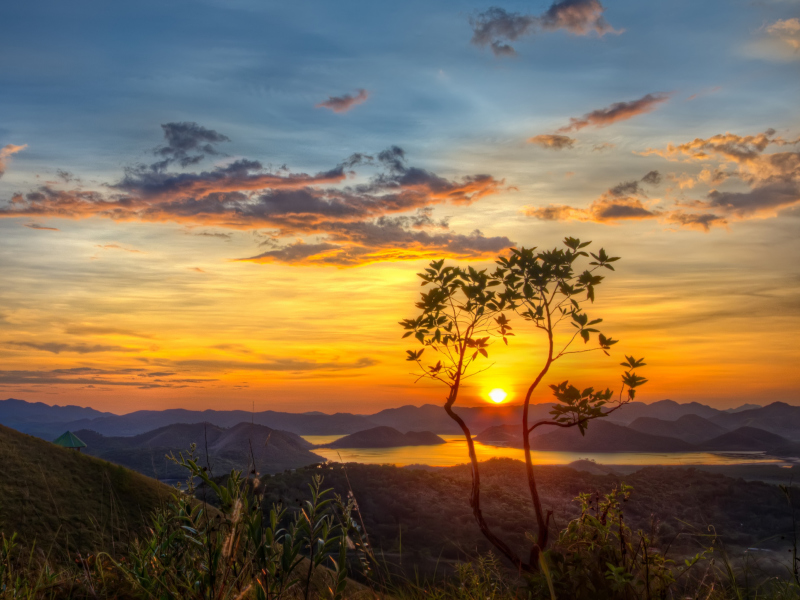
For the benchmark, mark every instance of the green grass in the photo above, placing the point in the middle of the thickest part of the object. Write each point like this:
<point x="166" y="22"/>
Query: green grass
<point x="66" y="501"/>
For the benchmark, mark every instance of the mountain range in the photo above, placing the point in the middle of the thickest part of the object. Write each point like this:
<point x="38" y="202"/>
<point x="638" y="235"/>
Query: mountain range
<point x="242" y="447"/>
<point x="664" y="426"/>
<point x="48" y="422"/>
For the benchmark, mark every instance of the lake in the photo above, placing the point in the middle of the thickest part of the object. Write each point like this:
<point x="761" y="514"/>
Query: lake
<point x="454" y="452"/>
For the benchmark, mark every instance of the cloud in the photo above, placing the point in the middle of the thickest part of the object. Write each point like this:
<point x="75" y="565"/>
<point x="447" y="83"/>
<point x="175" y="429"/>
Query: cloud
<point x="277" y="364"/>
<point x="496" y="26"/>
<point x="603" y="146"/>
<point x="5" y="152"/>
<point x="40" y="227"/>
<point x="355" y="244"/>
<point x="772" y="181"/>
<point x="619" y="111"/>
<point x="291" y="205"/>
<point x="787" y="31"/>
<point x="213" y="234"/>
<point x="652" y="178"/>
<point x="603" y="210"/>
<point x="773" y="178"/>
<point x="705" y="92"/>
<point x="58" y="348"/>
<point x="555" y="142"/>
<point x="81" y="330"/>
<point x="185" y="138"/>
<point x="118" y="247"/>
<point x="91" y="376"/>
<point x="341" y="104"/>
<point x="703" y="221"/>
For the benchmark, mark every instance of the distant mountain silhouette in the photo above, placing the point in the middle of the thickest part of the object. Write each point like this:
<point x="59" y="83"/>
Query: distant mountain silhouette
<point x="779" y="418"/>
<point x="273" y="450"/>
<point x="146" y="420"/>
<point x="741" y="408"/>
<point x="385" y="437"/>
<point x="601" y="436"/>
<point x="668" y="410"/>
<point x="22" y="415"/>
<point x="744" y="439"/>
<point x="689" y="428"/>
<point x="50" y="421"/>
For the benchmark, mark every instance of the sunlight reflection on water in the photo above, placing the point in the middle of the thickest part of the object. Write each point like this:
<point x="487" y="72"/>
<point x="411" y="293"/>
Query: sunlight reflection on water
<point x="454" y="452"/>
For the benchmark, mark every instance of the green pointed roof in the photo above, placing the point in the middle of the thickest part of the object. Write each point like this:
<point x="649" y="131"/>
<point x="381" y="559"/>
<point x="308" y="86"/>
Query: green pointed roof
<point x="69" y="440"/>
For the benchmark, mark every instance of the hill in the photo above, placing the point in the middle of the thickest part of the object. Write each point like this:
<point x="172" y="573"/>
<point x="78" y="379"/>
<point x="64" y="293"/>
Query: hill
<point x="744" y="439"/>
<point x="689" y="428"/>
<point x="70" y="501"/>
<point x="601" y="436"/>
<point x="385" y="437"/>
<point x="779" y="418"/>
<point x="228" y="449"/>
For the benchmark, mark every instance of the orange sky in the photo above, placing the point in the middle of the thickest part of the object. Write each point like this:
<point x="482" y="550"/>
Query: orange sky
<point x="239" y="224"/>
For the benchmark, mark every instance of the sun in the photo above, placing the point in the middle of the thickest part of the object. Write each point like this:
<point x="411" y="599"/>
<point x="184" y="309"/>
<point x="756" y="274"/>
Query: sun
<point x="497" y="395"/>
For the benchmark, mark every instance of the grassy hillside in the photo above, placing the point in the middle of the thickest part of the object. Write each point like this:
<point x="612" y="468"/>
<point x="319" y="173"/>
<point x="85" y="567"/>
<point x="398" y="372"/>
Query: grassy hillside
<point x="69" y="501"/>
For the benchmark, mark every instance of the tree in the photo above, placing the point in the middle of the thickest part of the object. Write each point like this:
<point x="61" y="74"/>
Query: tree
<point x="465" y="308"/>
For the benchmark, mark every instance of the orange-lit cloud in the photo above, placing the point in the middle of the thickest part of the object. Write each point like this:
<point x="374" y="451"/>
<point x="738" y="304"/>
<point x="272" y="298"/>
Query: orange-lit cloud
<point x="786" y="31"/>
<point x="774" y="178"/>
<point x="619" y="111"/>
<point x="386" y="217"/>
<point x="554" y="142"/>
<point x="5" y="152"/>
<point x="341" y="104"/>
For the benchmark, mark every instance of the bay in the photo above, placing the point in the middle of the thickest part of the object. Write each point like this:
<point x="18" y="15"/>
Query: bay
<point x="454" y="452"/>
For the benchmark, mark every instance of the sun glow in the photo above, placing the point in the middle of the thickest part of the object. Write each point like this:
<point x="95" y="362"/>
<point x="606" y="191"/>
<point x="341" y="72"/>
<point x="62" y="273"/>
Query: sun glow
<point x="497" y="395"/>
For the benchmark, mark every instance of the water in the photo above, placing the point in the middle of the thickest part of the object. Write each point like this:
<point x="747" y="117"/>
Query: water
<point x="454" y="452"/>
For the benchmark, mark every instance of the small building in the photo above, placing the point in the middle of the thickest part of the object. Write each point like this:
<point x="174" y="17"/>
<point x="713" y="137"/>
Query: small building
<point x="69" y="440"/>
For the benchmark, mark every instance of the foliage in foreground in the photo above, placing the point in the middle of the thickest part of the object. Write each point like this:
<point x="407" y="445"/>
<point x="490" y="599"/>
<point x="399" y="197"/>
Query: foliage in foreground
<point x="248" y="549"/>
<point x="549" y="289"/>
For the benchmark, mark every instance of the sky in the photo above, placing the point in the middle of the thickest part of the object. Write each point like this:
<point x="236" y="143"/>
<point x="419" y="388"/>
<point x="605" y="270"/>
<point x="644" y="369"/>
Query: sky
<point x="211" y="204"/>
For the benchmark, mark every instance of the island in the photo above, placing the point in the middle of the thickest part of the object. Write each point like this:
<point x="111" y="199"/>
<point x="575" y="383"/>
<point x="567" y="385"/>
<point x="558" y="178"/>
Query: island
<point x="385" y="437"/>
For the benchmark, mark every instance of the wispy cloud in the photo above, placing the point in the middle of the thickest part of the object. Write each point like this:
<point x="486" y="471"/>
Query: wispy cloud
<point x="341" y="104"/>
<point x="619" y="111"/>
<point x="786" y="31"/>
<point x="553" y="142"/>
<point x="40" y="227"/>
<point x="118" y="247"/>
<point x="5" y="152"/>
<point x="58" y="348"/>
<point x="496" y="27"/>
